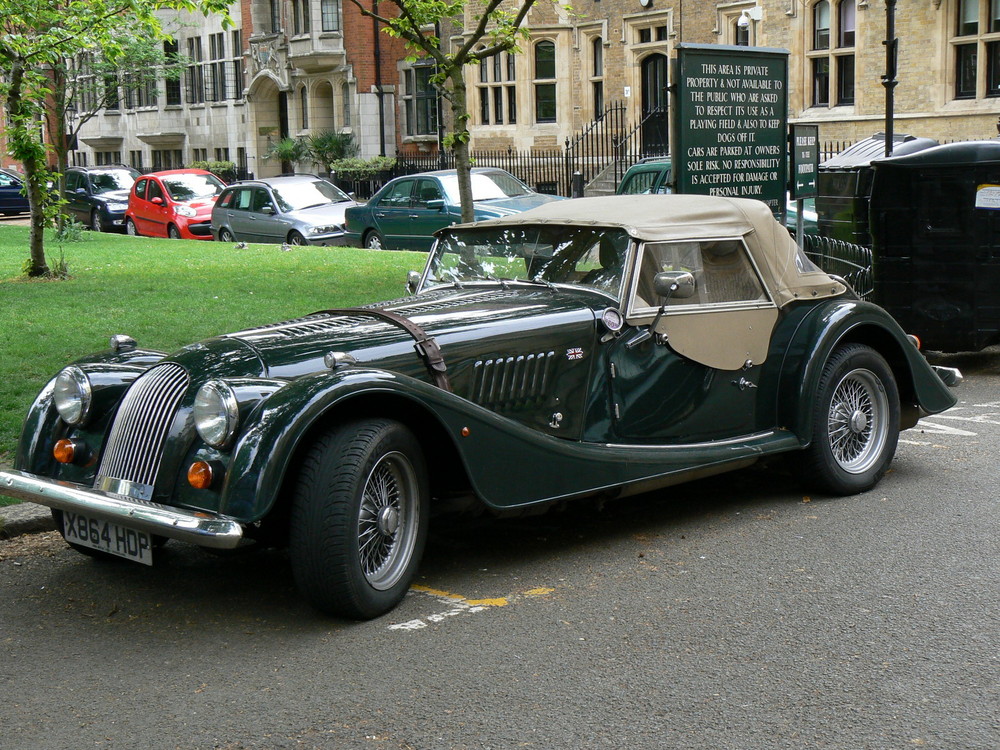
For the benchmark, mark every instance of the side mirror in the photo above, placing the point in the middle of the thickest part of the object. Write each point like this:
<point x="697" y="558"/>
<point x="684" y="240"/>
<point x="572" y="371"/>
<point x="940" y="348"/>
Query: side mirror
<point x="674" y="284"/>
<point x="157" y="200"/>
<point x="267" y="208"/>
<point x="437" y="204"/>
<point x="80" y="191"/>
<point x="412" y="281"/>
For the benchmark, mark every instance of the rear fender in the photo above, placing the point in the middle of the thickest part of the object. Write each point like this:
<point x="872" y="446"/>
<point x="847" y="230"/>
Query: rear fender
<point x="841" y="322"/>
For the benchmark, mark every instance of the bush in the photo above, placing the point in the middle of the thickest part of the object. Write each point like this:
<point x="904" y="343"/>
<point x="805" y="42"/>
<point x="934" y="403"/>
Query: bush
<point x="362" y="169"/>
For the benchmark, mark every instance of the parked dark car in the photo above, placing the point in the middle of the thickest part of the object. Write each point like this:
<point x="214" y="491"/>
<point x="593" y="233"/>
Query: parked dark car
<point x="649" y="176"/>
<point x="595" y="347"/>
<point x="297" y="209"/>
<point x="12" y="198"/>
<point x="175" y="203"/>
<point x="406" y="212"/>
<point x="98" y="196"/>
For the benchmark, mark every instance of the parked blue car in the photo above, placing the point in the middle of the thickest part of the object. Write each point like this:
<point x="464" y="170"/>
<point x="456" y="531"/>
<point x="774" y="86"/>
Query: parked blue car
<point x="12" y="199"/>
<point x="406" y="212"/>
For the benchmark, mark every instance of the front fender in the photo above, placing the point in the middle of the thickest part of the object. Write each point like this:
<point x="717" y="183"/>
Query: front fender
<point x="844" y="321"/>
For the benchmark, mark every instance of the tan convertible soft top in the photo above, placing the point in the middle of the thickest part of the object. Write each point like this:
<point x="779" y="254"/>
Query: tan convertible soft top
<point x="787" y="274"/>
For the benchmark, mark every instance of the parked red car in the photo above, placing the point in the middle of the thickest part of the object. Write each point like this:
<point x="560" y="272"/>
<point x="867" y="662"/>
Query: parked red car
<point x="176" y="203"/>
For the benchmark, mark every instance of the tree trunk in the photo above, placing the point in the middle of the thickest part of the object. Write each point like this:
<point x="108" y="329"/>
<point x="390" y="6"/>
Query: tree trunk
<point x="23" y="145"/>
<point x="460" y="114"/>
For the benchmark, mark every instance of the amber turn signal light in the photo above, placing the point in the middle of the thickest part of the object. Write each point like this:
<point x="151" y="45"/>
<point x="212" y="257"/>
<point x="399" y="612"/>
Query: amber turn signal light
<point x="200" y="475"/>
<point x="64" y="451"/>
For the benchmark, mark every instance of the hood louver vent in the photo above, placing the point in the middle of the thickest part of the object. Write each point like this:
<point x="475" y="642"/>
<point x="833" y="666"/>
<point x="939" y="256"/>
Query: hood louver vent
<point x="514" y="381"/>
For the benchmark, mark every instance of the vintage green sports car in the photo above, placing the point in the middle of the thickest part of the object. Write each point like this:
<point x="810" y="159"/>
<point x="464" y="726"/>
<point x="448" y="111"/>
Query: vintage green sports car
<point x="594" y="347"/>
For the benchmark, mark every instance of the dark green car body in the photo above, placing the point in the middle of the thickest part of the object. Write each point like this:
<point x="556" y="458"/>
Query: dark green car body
<point x="553" y="390"/>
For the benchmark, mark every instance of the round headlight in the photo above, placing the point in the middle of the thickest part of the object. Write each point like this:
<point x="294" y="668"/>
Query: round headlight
<point x="216" y="413"/>
<point x="72" y="395"/>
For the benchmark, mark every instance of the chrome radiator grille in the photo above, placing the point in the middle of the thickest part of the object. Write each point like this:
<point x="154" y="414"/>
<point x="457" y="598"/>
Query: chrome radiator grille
<point x="141" y="426"/>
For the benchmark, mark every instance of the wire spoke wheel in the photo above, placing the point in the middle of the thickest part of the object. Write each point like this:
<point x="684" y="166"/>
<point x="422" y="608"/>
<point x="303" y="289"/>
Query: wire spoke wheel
<point x="386" y="521"/>
<point x="857" y="422"/>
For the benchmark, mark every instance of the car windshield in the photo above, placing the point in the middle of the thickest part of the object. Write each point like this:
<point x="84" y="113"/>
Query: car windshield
<point x="584" y="256"/>
<point x="108" y="180"/>
<point x="296" y="195"/>
<point x="189" y="187"/>
<point x="486" y="186"/>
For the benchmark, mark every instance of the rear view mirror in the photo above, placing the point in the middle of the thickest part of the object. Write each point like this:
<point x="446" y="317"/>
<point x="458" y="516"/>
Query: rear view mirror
<point x="157" y="200"/>
<point x="412" y="281"/>
<point x="267" y="208"/>
<point x="438" y="204"/>
<point x="674" y="284"/>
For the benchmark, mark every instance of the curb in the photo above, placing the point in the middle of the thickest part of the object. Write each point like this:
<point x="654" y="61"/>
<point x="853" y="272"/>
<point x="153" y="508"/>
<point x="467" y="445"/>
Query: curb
<point x="24" y="518"/>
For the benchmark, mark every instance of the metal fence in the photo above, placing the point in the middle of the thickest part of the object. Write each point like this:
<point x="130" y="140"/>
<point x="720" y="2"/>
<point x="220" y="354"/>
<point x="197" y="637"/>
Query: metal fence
<point x="853" y="263"/>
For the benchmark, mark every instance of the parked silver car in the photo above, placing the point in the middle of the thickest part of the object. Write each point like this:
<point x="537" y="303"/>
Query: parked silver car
<point x="297" y="209"/>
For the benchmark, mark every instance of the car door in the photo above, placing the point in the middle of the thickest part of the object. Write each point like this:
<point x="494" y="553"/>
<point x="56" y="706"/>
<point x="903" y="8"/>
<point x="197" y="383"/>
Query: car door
<point x="237" y="214"/>
<point x="152" y="212"/>
<point x="392" y="214"/>
<point x="428" y="213"/>
<point x="267" y="222"/>
<point x="696" y="378"/>
<point x="76" y="201"/>
<point x="12" y="200"/>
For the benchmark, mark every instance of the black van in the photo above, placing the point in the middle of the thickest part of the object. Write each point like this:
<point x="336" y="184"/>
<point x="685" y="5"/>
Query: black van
<point x="935" y="227"/>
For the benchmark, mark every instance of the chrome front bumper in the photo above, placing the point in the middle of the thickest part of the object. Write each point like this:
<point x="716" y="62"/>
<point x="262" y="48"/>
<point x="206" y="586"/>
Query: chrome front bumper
<point x="198" y="528"/>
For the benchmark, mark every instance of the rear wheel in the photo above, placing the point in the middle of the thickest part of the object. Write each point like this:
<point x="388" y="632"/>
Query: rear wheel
<point x="359" y="518"/>
<point x="855" y="423"/>
<point x="374" y="241"/>
<point x="173" y="232"/>
<point x="226" y="236"/>
<point x="130" y="228"/>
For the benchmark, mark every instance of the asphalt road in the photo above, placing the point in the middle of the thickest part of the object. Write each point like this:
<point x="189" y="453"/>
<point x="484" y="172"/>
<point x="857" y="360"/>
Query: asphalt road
<point x="733" y="613"/>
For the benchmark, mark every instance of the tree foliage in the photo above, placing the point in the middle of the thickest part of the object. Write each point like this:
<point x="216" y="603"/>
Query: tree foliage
<point x="498" y="27"/>
<point x="36" y="39"/>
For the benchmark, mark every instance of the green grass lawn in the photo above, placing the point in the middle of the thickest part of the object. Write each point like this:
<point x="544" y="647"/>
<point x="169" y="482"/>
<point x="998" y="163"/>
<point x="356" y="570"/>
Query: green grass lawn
<point x="165" y="294"/>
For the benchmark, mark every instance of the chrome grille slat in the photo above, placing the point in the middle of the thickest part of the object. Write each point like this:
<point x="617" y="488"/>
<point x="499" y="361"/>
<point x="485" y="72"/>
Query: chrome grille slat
<point x="142" y="424"/>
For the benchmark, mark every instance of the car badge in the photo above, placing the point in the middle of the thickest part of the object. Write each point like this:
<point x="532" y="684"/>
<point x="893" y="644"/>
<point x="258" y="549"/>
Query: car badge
<point x="575" y="353"/>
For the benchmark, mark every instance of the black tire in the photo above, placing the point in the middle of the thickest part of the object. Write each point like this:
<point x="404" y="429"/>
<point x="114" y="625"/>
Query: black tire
<point x="374" y="241"/>
<point x="226" y="236"/>
<point x="855" y="423"/>
<point x="173" y="232"/>
<point x="294" y="238"/>
<point x="95" y="221"/>
<point x="359" y="518"/>
<point x="131" y="229"/>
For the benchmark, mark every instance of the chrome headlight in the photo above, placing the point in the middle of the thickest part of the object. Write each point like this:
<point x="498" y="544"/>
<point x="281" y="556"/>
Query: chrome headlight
<point x="186" y="211"/>
<point x="72" y="395"/>
<point x="216" y="413"/>
<point x="328" y="229"/>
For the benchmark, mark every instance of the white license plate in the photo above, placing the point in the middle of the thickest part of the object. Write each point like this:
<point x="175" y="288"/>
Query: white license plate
<point x="107" y="537"/>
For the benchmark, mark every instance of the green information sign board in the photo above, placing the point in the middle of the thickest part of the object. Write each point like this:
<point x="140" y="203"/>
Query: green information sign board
<point x="731" y="122"/>
<point x="805" y="160"/>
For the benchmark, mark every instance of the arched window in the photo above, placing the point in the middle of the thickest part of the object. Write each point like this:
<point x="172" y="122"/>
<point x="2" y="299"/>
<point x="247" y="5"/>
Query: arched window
<point x="544" y="83"/>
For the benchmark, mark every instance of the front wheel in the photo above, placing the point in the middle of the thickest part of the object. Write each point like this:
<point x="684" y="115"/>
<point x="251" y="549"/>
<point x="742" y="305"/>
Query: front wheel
<point x="130" y="228"/>
<point x="855" y="423"/>
<point x="359" y="518"/>
<point x="96" y="224"/>
<point x="173" y="232"/>
<point x="294" y="238"/>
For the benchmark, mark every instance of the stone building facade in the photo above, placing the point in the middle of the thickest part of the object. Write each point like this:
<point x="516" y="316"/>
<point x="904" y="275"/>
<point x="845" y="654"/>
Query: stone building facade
<point x="608" y="51"/>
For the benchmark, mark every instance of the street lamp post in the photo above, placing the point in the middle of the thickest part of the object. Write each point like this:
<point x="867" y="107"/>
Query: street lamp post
<point x="889" y="79"/>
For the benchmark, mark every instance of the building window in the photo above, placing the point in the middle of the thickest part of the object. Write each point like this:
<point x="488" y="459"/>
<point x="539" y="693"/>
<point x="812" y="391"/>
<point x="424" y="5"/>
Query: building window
<point x="172" y="85"/>
<point x="345" y="92"/>
<point x="200" y="154"/>
<point x="833" y="68"/>
<point x="222" y="154"/>
<point x="420" y="101"/>
<point x="741" y="32"/>
<point x="304" y="104"/>
<point x="139" y="90"/>
<point x="275" y="16"/>
<point x="300" y="17"/>
<point x="977" y="65"/>
<point x="105" y="158"/>
<point x="330" y="14"/>
<point x="497" y="106"/>
<point x="111" y="92"/>
<point x="597" y="75"/>
<point x="544" y="83"/>
<point x="135" y="159"/>
<point x="216" y="83"/>
<point x="167" y="159"/>
<point x="236" y="65"/>
<point x="194" y="77"/>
